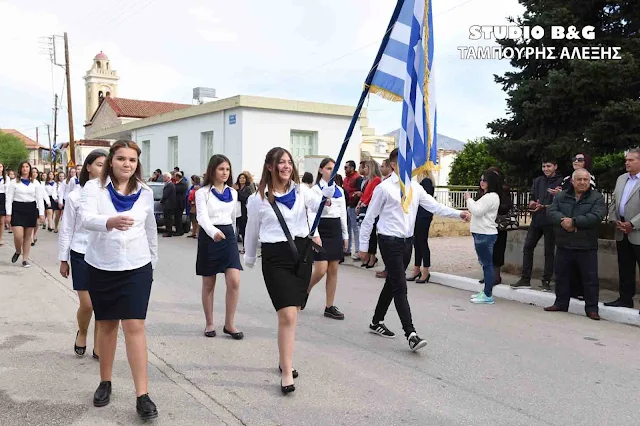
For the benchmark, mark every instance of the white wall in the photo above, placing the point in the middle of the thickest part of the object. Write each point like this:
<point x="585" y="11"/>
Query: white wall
<point x="266" y="129"/>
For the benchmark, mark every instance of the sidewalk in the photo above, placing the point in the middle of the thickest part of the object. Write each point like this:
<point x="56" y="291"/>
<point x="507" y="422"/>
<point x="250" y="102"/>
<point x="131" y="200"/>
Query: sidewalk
<point x="36" y="350"/>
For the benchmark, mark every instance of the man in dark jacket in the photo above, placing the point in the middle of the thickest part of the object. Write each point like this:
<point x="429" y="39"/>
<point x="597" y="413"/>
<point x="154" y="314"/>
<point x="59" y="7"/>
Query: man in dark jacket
<point x="543" y="190"/>
<point x="168" y="202"/>
<point x="181" y="195"/>
<point x="575" y="215"/>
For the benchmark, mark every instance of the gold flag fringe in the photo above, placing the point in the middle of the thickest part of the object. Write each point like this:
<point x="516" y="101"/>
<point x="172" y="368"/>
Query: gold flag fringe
<point x="384" y="93"/>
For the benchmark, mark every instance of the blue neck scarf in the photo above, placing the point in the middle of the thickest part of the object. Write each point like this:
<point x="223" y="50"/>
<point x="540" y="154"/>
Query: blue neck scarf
<point x="336" y="193"/>
<point x="77" y="181"/>
<point x="51" y="183"/>
<point x="288" y="199"/>
<point x="122" y="203"/>
<point x="225" y="197"/>
<point x="25" y="181"/>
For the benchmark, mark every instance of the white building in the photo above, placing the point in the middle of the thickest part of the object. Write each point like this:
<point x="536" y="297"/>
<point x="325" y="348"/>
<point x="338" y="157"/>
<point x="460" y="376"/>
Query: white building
<point x="244" y="128"/>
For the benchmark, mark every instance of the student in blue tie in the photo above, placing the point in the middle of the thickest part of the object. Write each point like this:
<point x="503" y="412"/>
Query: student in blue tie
<point x="122" y="251"/>
<point x="216" y="205"/>
<point x="286" y="264"/>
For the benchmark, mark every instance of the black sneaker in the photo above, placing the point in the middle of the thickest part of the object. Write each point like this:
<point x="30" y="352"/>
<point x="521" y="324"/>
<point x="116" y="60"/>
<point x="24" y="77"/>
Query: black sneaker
<point x="26" y="264"/>
<point x="102" y="396"/>
<point x="146" y="408"/>
<point x="546" y="285"/>
<point x="15" y="257"/>
<point x="334" y="313"/>
<point x="522" y="283"/>
<point x="381" y="330"/>
<point x="415" y="342"/>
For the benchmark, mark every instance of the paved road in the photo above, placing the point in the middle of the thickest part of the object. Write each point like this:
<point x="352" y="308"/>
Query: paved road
<point x="506" y="364"/>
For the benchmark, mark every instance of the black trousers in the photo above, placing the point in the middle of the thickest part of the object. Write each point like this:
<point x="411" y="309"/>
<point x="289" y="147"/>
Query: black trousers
<point x="586" y="261"/>
<point x="628" y="258"/>
<point x="373" y="239"/>
<point x="177" y="220"/>
<point x="499" y="248"/>
<point x="421" y="242"/>
<point x="533" y="236"/>
<point x="396" y="254"/>
<point x="168" y="220"/>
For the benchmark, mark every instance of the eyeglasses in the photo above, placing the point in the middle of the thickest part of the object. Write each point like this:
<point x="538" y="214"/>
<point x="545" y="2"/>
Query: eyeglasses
<point x="483" y="180"/>
<point x="578" y="159"/>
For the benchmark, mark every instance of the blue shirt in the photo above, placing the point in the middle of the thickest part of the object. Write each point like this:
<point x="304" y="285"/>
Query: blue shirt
<point x="626" y="193"/>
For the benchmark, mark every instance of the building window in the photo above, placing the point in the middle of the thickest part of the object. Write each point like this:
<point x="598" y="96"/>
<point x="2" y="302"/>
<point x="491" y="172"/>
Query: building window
<point x="173" y="153"/>
<point x="99" y="65"/>
<point x="145" y="158"/>
<point x="302" y="144"/>
<point x="381" y="147"/>
<point x="206" y="149"/>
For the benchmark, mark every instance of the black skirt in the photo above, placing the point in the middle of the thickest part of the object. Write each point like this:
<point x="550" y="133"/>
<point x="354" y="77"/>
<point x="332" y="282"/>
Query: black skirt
<point x="79" y="271"/>
<point x="120" y="295"/>
<point x="216" y="257"/>
<point x="286" y="281"/>
<point x="3" y="199"/>
<point x="24" y="214"/>
<point x="330" y="231"/>
<point x="54" y="204"/>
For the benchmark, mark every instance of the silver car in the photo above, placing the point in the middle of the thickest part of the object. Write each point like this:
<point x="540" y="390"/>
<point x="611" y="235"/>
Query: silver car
<point x="157" y="187"/>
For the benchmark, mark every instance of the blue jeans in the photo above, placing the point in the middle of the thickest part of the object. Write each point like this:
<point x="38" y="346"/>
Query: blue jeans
<point x="355" y="228"/>
<point x="484" y="249"/>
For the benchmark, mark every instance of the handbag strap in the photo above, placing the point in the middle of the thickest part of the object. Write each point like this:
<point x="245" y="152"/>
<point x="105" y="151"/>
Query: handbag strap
<point x="285" y="229"/>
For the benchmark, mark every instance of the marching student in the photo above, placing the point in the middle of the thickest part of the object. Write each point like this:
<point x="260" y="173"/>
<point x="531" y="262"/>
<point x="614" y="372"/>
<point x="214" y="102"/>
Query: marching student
<point x="335" y="237"/>
<point x="3" y="199"/>
<point x="216" y="205"/>
<point x="69" y="185"/>
<point x="72" y="243"/>
<point x="122" y="251"/>
<point x="395" y="237"/>
<point x="24" y="205"/>
<point x="60" y="192"/>
<point x="51" y="191"/>
<point x="35" y="178"/>
<point x="277" y="217"/>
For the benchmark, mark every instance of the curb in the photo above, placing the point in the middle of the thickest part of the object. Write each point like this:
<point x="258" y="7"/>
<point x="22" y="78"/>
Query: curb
<point x="537" y="298"/>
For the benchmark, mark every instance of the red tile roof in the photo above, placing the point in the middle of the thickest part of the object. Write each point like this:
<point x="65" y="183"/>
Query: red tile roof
<point x="102" y="56"/>
<point x="28" y="142"/>
<point x="94" y="142"/>
<point x="134" y="108"/>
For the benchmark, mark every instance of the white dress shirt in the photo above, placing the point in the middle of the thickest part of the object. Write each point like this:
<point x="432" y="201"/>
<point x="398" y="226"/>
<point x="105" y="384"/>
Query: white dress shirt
<point x="337" y="209"/>
<point x="483" y="214"/>
<point x="45" y="197"/>
<point x="51" y="190"/>
<point x="394" y="222"/>
<point x="3" y="185"/>
<point x="21" y="193"/>
<point x="72" y="235"/>
<point x="61" y="191"/>
<point x="263" y="225"/>
<point x="117" y="250"/>
<point x="211" y="212"/>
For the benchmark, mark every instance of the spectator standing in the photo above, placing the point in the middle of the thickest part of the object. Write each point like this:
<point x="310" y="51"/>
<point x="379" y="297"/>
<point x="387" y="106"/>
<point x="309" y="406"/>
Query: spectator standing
<point x="181" y="199"/>
<point x="422" y="261"/>
<point x="352" y="184"/>
<point x="543" y="190"/>
<point x="244" y="192"/>
<point x="168" y="203"/>
<point x="371" y="172"/>
<point x="307" y="179"/>
<point x="191" y="206"/>
<point x="575" y="215"/>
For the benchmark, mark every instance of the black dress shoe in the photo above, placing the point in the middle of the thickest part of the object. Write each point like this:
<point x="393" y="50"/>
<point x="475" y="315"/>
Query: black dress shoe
<point x="287" y="389"/>
<point x="619" y="303"/>
<point x="146" y="408"/>
<point x="414" y="278"/>
<point x="426" y="280"/>
<point x="15" y="257"/>
<point x="236" y="336"/>
<point x="211" y="333"/>
<point x="95" y="355"/>
<point x="594" y="316"/>
<point x="79" y="350"/>
<point x="295" y="372"/>
<point x="102" y="396"/>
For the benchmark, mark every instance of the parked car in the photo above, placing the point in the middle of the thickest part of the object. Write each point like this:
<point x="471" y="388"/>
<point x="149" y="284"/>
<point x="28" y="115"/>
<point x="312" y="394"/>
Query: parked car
<point x="157" y="187"/>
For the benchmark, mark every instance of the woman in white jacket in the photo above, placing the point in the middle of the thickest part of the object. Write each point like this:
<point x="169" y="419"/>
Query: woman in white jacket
<point x="485" y="230"/>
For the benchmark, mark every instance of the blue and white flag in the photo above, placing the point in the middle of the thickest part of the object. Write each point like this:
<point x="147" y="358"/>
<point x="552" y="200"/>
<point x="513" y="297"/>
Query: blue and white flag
<point x="405" y="73"/>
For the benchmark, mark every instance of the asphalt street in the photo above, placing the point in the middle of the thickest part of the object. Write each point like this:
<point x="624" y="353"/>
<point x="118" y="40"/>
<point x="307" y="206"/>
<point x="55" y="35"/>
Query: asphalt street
<point x="506" y="364"/>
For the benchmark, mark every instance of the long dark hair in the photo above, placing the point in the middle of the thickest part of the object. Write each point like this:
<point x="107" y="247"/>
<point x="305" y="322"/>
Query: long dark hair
<point x="246" y="181"/>
<point x="19" y="171"/>
<point x="322" y="165"/>
<point x="272" y="159"/>
<point x="588" y="161"/>
<point x="107" y="170"/>
<point x="51" y="172"/>
<point x="93" y="156"/>
<point x="3" y="175"/>
<point x="307" y="178"/>
<point x="210" y="174"/>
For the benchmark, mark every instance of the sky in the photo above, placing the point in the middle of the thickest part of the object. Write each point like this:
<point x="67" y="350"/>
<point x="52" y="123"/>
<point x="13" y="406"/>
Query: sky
<point x="319" y="51"/>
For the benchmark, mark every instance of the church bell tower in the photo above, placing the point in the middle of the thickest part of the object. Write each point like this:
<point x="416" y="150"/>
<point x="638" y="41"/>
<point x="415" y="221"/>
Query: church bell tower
<point x="100" y="82"/>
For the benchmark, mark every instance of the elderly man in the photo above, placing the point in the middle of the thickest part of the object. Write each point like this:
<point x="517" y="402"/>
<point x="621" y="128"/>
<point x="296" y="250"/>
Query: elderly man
<point x="168" y="202"/>
<point x="575" y="215"/>
<point x="624" y="213"/>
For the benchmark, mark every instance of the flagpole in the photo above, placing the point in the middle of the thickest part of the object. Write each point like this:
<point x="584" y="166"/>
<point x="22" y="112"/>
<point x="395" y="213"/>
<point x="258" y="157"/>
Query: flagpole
<point x="363" y="96"/>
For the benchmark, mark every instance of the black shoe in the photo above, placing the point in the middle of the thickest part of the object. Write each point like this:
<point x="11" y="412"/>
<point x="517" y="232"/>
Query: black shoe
<point x="287" y="389"/>
<point x="425" y="280"/>
<point x="334" y="313"/>
<point x="546" y="285"/>
<point x="95" y="356"/>
<point x="79" y="350"/>
<point x="26" y="264"/>
<point x="15" y="257"/>
<point x="34" y="242"/>
<point x="294" y="372"/>
<point x="211" y="333"/>
<point x="619" y="303"/>
<point x="372" y="266"/>
<point x="381" y="330"/>
<point x="522" y="283"/>
<point x="102" y="396"/>
<point x="236" y="336"/>
<point x="414" y="278"/>
<point x="304" y="302"/>
<point x="415" y="342"/>
<point x="481" y="281"/>
<point x="146" y="408"/>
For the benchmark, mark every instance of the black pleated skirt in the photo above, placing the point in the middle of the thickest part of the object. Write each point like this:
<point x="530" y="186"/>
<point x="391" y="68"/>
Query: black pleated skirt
<point x="24" y="214"/>
<point x="330" y="231"/>
<point x="54" y="204"/>
<point x="216" y="257"/>
<point x="286" y="282"/>
<point x="79" y="271"/>
<point x="3" y="200"/>
<point x="120" y="295"/>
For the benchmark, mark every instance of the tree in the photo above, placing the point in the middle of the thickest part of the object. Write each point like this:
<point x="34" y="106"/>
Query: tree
<point x="471" y="162"/>
<point x="12" y="150"/>
<point x="607" y="168"/>
<point x="562" y="106"/>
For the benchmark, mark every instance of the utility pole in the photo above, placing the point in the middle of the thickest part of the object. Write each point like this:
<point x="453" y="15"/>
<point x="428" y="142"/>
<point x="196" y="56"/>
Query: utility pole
<point x="49" y="136"/>
<point x="55" y="127"/>
<point x="72" y="155"/>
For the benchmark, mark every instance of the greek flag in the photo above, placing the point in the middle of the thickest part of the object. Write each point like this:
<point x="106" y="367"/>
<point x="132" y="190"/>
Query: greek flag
<point x="405" y="73"/>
